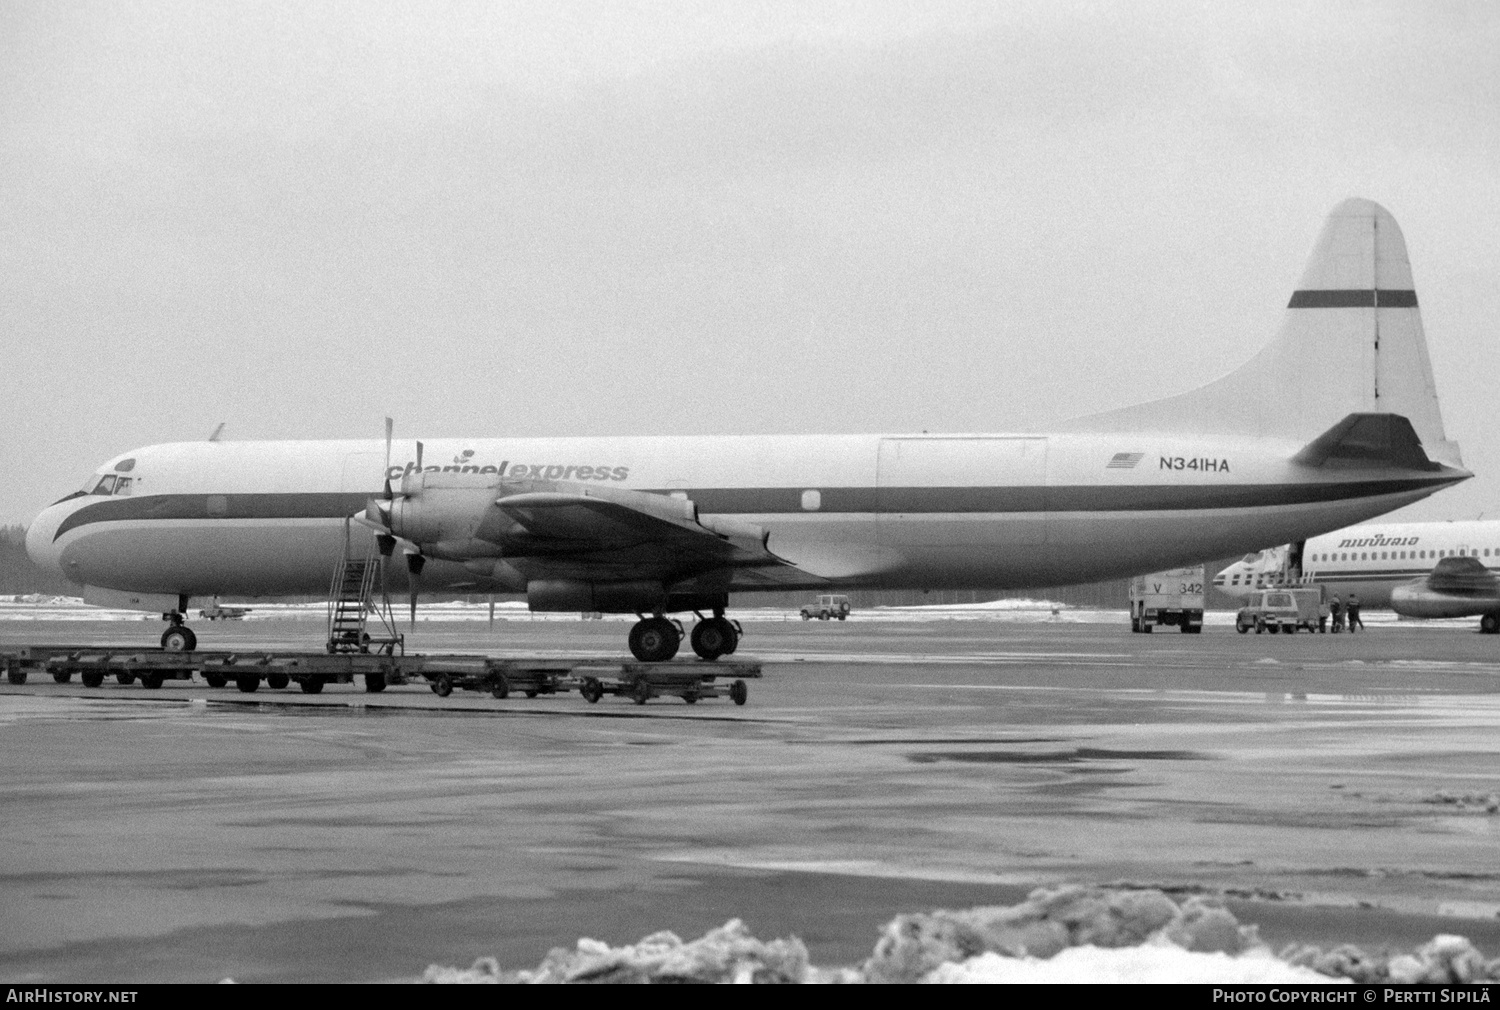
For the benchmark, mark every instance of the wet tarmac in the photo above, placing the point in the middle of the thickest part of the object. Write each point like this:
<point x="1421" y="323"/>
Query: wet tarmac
<point x="1336" y="788"/>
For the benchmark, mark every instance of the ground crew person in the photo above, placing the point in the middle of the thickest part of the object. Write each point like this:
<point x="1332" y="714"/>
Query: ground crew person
<point x="1336" y="611"/>
<point x="1353" y="609"/>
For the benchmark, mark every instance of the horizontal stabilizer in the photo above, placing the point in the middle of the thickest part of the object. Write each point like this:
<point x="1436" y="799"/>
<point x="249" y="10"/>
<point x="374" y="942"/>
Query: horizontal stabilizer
<point x="1461" y="576"/>
<point x="1361" y="441"/>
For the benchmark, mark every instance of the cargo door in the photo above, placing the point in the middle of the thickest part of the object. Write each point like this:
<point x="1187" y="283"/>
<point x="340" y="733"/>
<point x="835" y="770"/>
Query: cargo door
<point x="964" y="510"/>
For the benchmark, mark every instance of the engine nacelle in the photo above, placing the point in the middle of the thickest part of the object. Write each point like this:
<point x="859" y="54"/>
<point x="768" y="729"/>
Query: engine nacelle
<point x="562" y="595"/>
<point x="1417" y="600"/>
<point x="443" y="508"/>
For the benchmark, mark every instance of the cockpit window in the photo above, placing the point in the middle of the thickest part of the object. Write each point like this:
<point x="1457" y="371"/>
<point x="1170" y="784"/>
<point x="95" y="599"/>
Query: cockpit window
<point x="1249" y="559"/>
<point x="106" y="485"/>
<point x="122" y="485"/>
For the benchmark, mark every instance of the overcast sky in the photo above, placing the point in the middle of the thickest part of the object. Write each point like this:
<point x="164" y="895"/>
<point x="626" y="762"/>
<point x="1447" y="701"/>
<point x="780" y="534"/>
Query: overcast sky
<point x="494" y="219"/>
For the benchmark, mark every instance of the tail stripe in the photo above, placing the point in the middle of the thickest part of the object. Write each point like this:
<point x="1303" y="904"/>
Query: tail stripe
<point x="1355" y="298"/>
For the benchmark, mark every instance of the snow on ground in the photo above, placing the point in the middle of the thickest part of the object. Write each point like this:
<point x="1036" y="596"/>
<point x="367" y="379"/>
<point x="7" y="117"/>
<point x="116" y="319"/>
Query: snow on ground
<point x="1066" y="934"/>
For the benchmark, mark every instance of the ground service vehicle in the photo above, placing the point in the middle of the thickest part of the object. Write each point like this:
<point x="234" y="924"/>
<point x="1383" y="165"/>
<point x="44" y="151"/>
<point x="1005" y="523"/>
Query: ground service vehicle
<point x="1284" y="608"/>
<point x="1171" y="597"/>
<point x="827" y="608"/>
<point x="215" y="611"/>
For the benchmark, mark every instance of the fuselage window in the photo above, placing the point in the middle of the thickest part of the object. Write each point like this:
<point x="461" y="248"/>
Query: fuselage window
<point x="106" y="485"/>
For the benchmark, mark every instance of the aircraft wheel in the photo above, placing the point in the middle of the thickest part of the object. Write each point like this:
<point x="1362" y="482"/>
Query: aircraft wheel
<point x="654" y="640"/>
<point x="738" y="692"/>
<point x="178" y="639"/>
<point x="591" y="690"/>
<point x="92" y="678"/>
<point x="1490" y="624"/>
<point x="248" y="684"/>
<point x="215" y="679"/>
<point x="311" y="685"/>
<point x="277" y="681"/>
<point x="713" y="638"/>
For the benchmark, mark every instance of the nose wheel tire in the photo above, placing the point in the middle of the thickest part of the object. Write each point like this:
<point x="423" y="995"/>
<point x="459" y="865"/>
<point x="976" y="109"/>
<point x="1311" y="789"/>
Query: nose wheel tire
<point x="178" y="639"/>
<point x="654" y="640"/>
<point x="713" y="637"/>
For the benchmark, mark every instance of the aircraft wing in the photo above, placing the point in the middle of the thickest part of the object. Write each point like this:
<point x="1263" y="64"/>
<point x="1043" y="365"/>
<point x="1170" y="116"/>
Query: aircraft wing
<point x="581" y="530"/>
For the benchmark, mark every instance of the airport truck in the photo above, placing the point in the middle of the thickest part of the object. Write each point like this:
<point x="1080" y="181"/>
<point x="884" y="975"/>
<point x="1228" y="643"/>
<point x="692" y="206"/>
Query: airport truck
<point x="1173" y="597"/>
<point x="1284" y="609"/>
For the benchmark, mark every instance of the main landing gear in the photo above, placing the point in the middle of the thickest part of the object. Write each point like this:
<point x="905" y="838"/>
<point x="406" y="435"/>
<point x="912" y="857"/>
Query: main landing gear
<point x="178" y="637"/>
<point x="656" y="639"/>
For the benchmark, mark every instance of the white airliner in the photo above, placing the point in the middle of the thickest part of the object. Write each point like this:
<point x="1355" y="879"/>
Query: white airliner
<point x="1276" y="451"/>
<point x="1444" y="569"/>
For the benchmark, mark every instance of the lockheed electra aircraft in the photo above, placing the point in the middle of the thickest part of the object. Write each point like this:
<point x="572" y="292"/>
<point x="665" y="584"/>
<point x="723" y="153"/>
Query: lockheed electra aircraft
<point x="1417" y="569"/>
<point x="1279" y="450"/>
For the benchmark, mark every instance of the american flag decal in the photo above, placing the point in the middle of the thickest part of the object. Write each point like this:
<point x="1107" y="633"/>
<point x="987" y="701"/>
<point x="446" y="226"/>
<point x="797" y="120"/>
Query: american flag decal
<point x="1124" y="460"/>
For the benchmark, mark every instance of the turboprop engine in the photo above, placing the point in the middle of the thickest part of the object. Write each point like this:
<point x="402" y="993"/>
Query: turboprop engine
<point x="447" y="515"/>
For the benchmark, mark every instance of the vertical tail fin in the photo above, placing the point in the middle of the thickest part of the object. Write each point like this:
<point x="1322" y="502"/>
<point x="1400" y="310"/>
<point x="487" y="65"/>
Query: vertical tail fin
<point x="1351" y="342"/>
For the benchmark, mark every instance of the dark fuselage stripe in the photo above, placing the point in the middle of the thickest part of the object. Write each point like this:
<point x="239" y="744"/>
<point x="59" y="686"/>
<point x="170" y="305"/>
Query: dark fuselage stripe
<point x="774" y="501"/>
<point x="1353" y="298"/>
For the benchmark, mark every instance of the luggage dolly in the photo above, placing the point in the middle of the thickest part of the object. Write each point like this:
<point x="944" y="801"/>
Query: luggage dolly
<point x="689" y="681"/>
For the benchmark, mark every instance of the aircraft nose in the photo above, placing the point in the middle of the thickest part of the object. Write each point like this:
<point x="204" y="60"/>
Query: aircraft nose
<point x="39" y="539"/>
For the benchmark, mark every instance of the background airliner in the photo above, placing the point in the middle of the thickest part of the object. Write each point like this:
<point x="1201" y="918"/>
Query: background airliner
<point x="1274" y="452"/>
<point x="1443" y="569"/>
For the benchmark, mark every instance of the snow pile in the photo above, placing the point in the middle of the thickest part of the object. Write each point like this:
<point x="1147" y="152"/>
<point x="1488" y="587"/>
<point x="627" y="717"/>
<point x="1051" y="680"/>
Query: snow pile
<point x="726" y="954"/>
<point x="1068" y="934"/>
<point x="1443" y="960"/>
<point x="1150" y="963"/>
<point x="1050" y="921"/>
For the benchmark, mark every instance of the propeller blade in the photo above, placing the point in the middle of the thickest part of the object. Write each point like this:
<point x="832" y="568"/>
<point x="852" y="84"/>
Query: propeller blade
<point x="414" y="563"/>
<point x="386" y="543"/>
<point x="390" y="427"/>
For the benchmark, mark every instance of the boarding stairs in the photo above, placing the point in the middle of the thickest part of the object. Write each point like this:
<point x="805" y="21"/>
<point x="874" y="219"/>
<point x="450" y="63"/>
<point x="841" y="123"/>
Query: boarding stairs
<point x="353" y="609"/>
